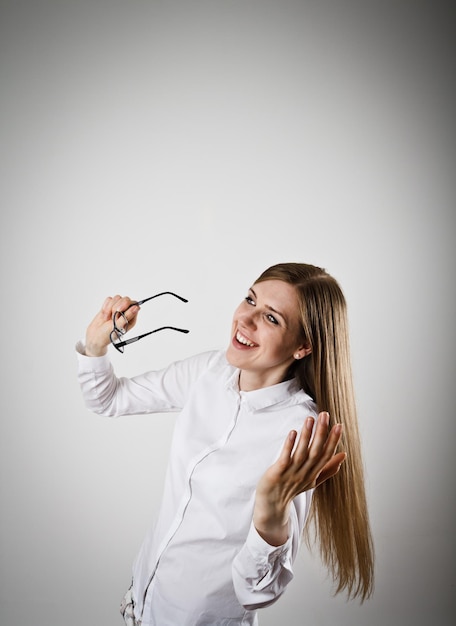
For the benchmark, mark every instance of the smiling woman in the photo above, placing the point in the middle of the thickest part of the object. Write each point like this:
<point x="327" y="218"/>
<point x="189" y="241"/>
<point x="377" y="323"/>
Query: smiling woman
<point x="242" y="483"/>
<point x="266" y="336"/>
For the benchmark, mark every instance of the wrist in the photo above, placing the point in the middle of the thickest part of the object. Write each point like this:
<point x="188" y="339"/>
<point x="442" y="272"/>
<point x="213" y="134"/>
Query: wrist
<point x="95" y="351"/>
<point x="274" y="536"/>
<point x="272" y="525"/>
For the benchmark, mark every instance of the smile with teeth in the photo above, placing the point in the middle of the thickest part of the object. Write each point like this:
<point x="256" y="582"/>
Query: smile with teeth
<point x="244" y="340"/>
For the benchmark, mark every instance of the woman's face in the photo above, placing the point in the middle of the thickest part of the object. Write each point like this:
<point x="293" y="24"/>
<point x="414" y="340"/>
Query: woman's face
<point x="265" y="337"/>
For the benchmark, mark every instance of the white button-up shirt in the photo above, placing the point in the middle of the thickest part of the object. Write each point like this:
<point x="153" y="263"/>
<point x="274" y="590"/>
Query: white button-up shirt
<point x="203" y="563"/>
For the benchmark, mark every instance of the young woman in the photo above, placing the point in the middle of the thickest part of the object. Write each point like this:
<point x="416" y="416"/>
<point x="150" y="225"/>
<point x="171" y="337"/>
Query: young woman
<point x="251" y="462"/>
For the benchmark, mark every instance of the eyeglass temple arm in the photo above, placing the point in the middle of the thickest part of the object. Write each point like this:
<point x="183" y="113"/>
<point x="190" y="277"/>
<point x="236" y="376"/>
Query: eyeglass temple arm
<point x="151" y="332"/>
<point x="163" y="293"/>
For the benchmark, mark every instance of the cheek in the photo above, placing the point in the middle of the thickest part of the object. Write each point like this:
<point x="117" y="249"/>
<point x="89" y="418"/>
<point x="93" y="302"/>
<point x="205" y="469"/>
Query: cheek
<point x="277" y="343"/>
<point x="237" y="315"/>
<point x="283" y="344"/>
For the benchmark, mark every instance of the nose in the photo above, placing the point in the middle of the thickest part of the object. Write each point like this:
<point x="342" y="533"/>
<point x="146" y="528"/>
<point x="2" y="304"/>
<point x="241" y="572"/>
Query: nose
<point x="249" y="318"/>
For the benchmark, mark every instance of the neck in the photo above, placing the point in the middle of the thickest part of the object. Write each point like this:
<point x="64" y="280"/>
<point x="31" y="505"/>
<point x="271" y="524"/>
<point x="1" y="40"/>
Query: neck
<point x="251" y="381"/>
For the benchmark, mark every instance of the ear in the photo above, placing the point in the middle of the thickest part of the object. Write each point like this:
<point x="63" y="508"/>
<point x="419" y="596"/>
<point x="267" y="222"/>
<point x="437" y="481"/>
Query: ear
<point x="301" y="352"/>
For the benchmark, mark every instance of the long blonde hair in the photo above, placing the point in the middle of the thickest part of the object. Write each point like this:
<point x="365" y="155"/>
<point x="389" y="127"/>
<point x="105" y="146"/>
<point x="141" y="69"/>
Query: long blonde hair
<point x="339" y="515"/>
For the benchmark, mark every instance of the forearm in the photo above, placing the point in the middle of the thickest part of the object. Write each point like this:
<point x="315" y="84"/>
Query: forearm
<point x="262" y="571"/>
<point x="271" y="521"/>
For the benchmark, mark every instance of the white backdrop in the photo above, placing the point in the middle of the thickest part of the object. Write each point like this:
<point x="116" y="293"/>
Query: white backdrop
<point x="151" y="145"/>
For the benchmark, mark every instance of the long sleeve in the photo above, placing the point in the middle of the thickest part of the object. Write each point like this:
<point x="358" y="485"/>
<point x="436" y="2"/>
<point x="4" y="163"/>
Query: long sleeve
<point x="164" y="390"/>
<point x="261" y="572"/>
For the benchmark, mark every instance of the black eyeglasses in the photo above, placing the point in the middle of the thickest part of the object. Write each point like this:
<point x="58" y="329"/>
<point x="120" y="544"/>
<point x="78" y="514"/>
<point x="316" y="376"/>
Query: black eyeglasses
<point x="118" y="332"/>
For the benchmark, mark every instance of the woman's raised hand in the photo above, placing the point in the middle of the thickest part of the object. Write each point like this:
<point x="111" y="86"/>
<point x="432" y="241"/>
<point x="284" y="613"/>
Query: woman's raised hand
<point x="299" y="468"/>
<point x="99" y="329"/>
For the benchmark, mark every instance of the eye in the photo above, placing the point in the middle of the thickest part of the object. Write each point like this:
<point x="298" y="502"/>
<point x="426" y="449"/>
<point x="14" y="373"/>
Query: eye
<point x="250" y="301"/>
<point x="272" y="319"/>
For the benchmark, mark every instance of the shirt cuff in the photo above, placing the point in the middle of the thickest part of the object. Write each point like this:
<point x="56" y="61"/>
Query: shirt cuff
<point x="261" y="572"/>
<point x="261" y="549"/>
<point x="90" y="363"/>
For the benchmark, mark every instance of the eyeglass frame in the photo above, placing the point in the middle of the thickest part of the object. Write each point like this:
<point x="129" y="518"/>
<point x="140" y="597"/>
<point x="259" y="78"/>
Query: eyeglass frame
<point x="120" y="332"/>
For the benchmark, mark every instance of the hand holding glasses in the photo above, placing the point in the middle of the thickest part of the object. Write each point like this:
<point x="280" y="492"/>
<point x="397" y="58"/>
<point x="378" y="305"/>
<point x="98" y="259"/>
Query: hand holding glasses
<point x="120" y="323"/>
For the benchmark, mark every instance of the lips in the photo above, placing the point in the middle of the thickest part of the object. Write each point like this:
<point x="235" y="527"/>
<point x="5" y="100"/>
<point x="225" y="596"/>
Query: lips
<point x="245" y="341"/>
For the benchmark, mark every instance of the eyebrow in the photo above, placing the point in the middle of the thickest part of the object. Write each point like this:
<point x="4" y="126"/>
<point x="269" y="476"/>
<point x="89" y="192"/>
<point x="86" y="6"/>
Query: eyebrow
<point x="268" y="306"/>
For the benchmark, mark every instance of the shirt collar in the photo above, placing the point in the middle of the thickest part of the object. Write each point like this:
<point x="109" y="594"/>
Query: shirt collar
<point x="259" y="399"/>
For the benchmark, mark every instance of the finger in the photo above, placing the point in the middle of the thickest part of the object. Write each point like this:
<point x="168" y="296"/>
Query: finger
<point x="302" y="449"/>
<point x="106" y="309"/>
<point x="124" y="310"/>
<point x="130" y="313"/>
<point x="124" y="322"/>
<point x="320" y="436"/>
<point x="333" y="439"/>
<point x="328" y="452"/>
<point x="109" y="306"/>
<point x="285" y="455"/>
<point x="121" y="303"/>
<point x="331" y="468"/>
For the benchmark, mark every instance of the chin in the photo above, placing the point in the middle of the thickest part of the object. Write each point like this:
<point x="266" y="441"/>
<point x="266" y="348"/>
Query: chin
<point x="233" y="357"/>
<point x="230" y="356"/>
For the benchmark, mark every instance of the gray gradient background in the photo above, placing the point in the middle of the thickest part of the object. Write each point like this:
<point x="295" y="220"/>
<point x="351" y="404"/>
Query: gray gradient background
<point x="153" y="145"/>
